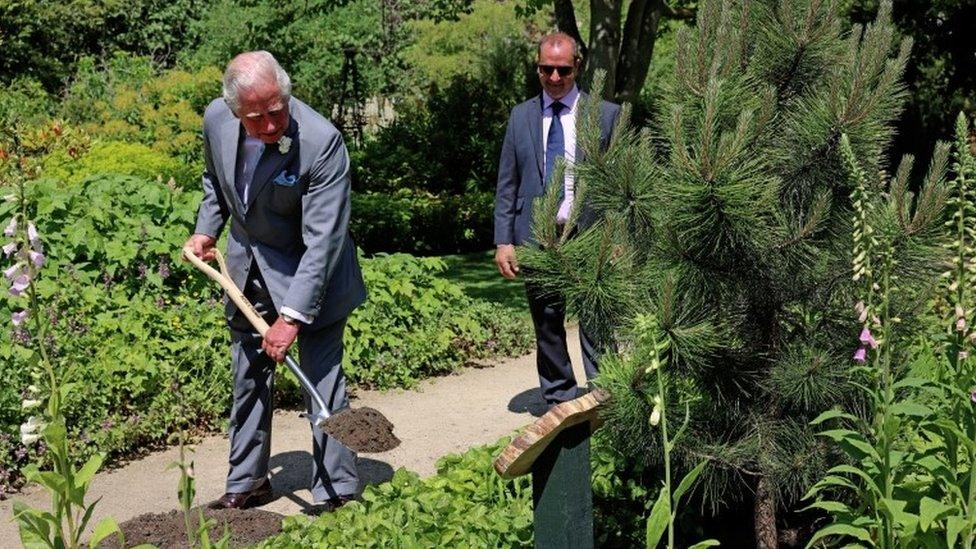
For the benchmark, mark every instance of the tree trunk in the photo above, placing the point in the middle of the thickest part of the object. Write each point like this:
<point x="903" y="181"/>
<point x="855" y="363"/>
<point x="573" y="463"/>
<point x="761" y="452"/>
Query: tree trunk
<point x="765" y="515"/>
<point x="637" y="48"/>
<point x="566" y="22"/>
<point x="604" y="42"/>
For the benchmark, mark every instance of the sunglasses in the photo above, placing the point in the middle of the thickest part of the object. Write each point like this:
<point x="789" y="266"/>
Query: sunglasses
<point x="562" y="70"/>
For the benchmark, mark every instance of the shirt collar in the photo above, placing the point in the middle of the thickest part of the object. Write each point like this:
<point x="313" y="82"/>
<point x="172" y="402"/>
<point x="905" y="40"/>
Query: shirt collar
<point x="569" y="100"/>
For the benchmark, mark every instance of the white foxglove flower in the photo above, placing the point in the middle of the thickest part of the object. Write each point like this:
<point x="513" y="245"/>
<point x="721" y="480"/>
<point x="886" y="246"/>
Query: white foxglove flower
<point x="28" y="440"/>
<point x="656" y="412"/>
<point x="30" y="431"/>
<point x="30" y="403"/>
<point x="655" y="416"/>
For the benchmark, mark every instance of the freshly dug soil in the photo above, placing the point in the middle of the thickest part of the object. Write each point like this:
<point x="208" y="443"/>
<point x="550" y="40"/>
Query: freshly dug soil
<point x="362" y="430"/>
<point x="167" y="530"/>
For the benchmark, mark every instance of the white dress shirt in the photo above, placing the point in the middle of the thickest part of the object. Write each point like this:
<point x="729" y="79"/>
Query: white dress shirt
<point x="568" y="119"/>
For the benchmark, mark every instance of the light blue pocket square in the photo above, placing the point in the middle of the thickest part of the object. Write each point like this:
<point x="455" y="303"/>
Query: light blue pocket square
<point x="285" y="180"/>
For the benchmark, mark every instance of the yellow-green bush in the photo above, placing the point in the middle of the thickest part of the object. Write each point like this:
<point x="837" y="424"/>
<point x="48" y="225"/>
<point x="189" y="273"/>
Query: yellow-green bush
<point x="128" y="99"/>
<point x="119" y="157"/>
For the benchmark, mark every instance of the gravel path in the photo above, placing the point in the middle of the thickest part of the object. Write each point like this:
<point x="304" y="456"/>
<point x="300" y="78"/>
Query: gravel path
<point x="442" y="416"/>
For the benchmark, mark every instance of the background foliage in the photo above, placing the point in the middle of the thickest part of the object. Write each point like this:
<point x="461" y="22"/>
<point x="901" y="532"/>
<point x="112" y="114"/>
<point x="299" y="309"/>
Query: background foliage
<point x="130" y="318"/>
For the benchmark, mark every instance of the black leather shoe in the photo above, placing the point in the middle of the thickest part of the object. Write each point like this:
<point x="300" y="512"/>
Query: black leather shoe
<point x="328" y="506"/>
<point x="243" y="500"/>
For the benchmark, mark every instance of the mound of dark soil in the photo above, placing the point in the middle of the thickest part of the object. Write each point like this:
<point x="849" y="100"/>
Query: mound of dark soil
<point x="168" y="530"/>
<point x="362" y="430"/>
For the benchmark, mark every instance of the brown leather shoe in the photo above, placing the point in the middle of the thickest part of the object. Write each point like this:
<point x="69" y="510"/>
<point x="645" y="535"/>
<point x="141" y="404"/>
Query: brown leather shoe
<point x="243" y="500"/>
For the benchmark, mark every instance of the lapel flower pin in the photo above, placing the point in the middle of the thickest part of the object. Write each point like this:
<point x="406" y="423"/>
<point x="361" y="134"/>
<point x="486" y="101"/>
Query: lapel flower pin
<point x="284" y="144"/>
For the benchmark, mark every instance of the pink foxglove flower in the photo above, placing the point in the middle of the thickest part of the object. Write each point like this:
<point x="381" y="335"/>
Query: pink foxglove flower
<point x="37" y="259"/>
<point x="18" y="317"/>
<point x="961" y="324"/>
<point x="33" y="237"/>
<point x="13" y="271"/>
<point x="861" y="355"/>
<point x="20" y="284"/>
<point x="972" y="396"/>
<point x="868" y="339"/>
<point x="9" y="248"/>
<point x="11" y="227"/>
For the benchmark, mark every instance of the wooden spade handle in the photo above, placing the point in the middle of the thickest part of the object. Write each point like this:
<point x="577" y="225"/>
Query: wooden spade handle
<point x="222" y="277"/>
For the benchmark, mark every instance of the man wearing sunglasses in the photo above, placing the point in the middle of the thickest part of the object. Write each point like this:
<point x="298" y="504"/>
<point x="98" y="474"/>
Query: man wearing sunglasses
<point x="541" y="130"/>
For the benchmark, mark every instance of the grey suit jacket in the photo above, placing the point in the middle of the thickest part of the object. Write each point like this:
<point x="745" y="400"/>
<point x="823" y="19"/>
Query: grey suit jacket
<point x="520" y="167"/>
<point x="294" y="226"/>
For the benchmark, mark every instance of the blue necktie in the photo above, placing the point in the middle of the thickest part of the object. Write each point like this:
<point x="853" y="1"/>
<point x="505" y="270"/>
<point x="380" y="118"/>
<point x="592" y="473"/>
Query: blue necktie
<point x="555" y="145"/>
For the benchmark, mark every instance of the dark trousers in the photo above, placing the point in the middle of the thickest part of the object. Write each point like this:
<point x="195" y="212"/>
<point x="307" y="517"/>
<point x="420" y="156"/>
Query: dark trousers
<point x="556" y="379"/>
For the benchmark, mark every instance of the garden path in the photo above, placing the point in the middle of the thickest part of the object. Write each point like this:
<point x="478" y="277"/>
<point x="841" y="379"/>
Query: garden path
<point x="440" y="416"/>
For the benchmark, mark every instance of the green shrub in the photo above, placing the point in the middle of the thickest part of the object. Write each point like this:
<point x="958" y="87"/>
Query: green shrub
<point x="416" y="324"/>
<point x="141" y="335"/>
<point x="24" y="101"/>
<point x="448" y="144"/>
<point x="422" y="223"/>
<point x="126" y="320"/>
<point x="129" y="98"/>
<point x="46" y="39"/>
<point x="118" y="157"/>
<point x="443" y="50"/>
<point x="309" y="40"/>
<point x="465" y="505"/>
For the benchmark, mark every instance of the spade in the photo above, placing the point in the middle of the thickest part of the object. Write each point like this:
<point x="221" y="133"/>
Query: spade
<point x="360" y="430"/>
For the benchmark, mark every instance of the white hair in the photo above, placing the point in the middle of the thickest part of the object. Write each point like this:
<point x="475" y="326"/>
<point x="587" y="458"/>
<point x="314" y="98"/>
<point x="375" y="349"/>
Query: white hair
<point x="250" y="69"/>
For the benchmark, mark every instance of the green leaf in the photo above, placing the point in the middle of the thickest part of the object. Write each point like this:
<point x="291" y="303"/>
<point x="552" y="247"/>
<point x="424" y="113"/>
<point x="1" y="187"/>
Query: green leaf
<point x="83" y="525"/>
<point x="910" y="382"/>
<point x="91" y="467"/>
<point x="851" y="470"/>
<point x="911" y="409"/>
<point x="832" y="414"/>
<point x="929" y="511"/>
<point x="657" y="522"/>
<point x="106" y="527"/>
<point x="706" y="543"/>
<point x="853" y="443"/>
<point x="687" y="482"/>
<point x="835" y="507"/>
<point x="954" y="525"/>
<point x="840" y="529"/>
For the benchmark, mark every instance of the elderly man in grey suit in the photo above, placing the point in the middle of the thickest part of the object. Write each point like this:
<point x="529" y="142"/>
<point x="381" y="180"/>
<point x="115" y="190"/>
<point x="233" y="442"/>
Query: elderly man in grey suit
<point x="279" y="172"/>
<point x="541" y="130"/>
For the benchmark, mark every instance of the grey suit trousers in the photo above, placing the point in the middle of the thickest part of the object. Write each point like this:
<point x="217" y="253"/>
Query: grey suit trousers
<point x="320" y="356"/>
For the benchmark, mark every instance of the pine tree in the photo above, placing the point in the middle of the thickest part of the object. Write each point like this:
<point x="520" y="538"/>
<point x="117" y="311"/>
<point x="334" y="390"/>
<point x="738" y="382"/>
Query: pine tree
<point x="732" y="220"/>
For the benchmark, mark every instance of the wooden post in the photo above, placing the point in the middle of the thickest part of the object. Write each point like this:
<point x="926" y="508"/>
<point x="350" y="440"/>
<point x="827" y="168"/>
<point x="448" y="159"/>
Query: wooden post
<point x="556" y="450"/>
<point x="562" y="493"/>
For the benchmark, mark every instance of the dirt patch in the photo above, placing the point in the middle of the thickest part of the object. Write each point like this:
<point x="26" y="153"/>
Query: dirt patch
<point x="168" y="530"/>
<point x="362" y="430"/>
